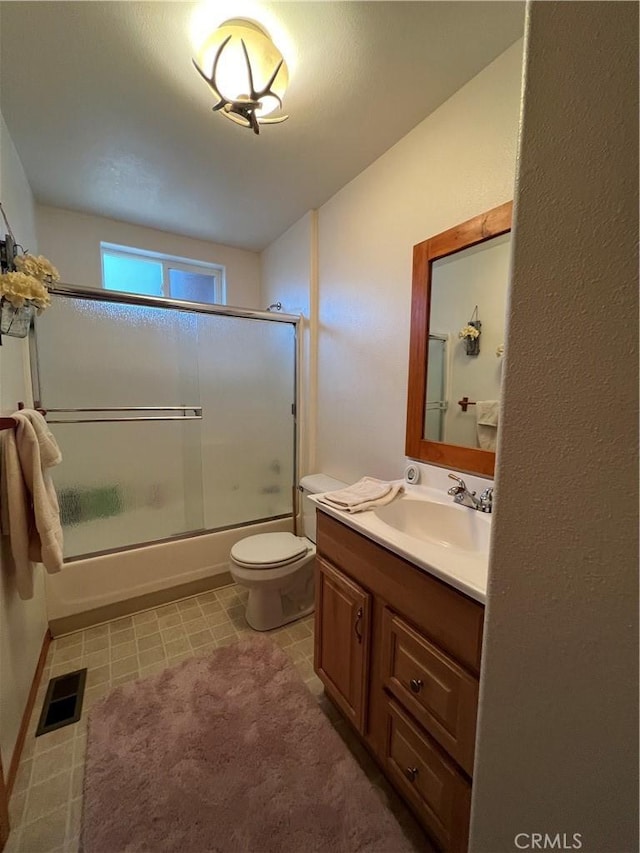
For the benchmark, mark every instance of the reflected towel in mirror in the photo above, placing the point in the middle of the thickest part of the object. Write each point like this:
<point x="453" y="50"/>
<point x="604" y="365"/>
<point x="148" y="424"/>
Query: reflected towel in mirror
<point x="487" y="412"/>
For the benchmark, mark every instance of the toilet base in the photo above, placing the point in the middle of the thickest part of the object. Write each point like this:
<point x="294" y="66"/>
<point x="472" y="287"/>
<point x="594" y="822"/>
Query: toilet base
<point x="266" y="619"/>
<point x="276" y="602"/>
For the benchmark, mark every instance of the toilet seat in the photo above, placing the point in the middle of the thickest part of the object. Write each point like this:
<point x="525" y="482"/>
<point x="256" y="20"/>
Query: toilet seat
<point x="269" y="550"/>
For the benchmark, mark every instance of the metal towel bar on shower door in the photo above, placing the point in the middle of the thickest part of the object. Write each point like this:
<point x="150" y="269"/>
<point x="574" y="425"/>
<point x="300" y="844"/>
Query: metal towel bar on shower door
<point x="196" y="416"/>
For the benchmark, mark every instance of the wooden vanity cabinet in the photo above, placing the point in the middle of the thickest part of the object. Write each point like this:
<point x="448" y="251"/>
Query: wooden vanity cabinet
<point x="398" y="652"/>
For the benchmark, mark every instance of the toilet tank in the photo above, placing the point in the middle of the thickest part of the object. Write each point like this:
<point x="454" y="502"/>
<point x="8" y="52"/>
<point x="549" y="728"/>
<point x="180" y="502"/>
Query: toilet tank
<point x="314" y="484"/>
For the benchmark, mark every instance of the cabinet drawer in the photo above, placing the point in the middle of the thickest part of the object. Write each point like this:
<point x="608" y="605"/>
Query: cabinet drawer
<point x="435" y="689"/>
<point x="437" y="790"/>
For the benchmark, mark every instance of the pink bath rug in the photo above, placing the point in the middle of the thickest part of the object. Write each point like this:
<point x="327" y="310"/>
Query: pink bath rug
<point x="225" y="753"/>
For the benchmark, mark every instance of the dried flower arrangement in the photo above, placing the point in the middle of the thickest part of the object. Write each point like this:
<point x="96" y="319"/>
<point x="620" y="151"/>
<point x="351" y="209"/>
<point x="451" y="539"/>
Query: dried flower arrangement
<point x="470" y="334"/>
<point x="24" y="287"/>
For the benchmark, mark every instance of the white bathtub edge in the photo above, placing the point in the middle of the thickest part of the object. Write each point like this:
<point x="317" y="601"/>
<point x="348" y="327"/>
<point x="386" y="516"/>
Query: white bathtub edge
<point x="97" y="582"/>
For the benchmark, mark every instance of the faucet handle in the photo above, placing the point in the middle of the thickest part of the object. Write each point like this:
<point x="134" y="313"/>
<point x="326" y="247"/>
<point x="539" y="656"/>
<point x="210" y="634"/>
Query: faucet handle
<point x="461" y="487"/>
<point x="486" y="499"/>
<point x="460" y="482"/>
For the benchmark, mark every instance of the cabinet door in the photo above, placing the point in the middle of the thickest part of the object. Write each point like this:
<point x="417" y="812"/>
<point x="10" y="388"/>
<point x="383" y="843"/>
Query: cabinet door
<point x="342" y="628"/>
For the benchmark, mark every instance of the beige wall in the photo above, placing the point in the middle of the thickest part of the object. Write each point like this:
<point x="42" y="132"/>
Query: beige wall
<point x="287" y="267"/>
<point x="289" y="276"/>
<point x="457" y="163"/>
<point x="558" y="727"/>
<point x="73" y="241"/>
<point x="22" y="623"/>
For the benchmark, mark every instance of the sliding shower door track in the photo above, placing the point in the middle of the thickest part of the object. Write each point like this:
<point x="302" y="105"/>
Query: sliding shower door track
<point x="165" y="302"/>
<point x="177" y="537"/>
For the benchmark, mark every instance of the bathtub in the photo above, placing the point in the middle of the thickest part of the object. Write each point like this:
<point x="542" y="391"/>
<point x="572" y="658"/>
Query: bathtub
<point x="96" y="589"/>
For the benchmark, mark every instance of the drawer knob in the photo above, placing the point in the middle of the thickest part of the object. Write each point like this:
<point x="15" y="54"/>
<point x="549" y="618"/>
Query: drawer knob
<point x="416" y="685"/>
<point x="411" y="773"/>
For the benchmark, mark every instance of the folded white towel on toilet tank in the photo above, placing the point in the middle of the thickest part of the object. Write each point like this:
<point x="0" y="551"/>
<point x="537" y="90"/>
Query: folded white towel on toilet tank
<point x="366" y="493"/>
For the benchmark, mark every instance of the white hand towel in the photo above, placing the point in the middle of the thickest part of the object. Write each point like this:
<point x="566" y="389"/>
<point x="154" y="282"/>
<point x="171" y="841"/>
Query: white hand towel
<point x="487" y="412"/>
<point x="366" y="493"/>
<point x="30" y="515"/>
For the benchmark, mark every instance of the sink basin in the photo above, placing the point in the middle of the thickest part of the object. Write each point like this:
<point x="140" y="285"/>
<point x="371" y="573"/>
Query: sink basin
<point x="447" y="525"/>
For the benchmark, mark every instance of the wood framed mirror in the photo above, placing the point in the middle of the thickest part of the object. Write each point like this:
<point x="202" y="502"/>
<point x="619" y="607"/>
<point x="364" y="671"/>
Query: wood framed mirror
<point x="460" y="280"/>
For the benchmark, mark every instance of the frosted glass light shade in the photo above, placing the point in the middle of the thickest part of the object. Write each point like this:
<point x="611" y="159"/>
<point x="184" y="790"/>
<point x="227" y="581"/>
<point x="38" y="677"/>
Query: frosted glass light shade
<point x="232" y="76"/>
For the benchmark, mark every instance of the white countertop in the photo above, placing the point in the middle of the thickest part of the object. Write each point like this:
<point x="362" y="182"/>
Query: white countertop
<point x="465" y="570"/>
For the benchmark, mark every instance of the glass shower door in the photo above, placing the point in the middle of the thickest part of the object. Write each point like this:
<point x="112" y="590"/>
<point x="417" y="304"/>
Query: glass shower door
<point x="247" y="388"/>
<point x="131" y="468"/>
<point x="170" y="421"/>
<point x="436" y="404"/>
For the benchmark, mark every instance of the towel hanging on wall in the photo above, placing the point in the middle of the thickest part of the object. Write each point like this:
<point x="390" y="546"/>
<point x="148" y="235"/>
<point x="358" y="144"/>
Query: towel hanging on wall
<point x="29" y="512"/>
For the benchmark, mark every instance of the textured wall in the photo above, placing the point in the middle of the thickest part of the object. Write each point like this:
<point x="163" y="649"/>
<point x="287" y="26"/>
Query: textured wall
<point x="286" y="268"/>
<point x="289" y="276"/>
<point x="22" y="623"/>
<point x="558" y="729"/>
<point x="73" y="241"/>
<point x="455" y="164"/>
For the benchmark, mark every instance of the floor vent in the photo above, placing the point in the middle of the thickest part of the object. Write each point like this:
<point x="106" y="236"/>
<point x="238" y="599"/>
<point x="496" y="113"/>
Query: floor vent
<point x="63" y="702"/>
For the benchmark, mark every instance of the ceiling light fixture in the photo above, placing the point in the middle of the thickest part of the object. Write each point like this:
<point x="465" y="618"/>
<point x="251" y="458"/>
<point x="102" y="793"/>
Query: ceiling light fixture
<point x="246" y="72"/>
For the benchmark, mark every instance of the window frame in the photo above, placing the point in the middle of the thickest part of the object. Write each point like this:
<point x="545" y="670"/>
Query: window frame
<point x="216" y="271"/>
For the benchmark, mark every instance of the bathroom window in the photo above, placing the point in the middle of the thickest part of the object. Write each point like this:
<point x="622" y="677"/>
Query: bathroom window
<point x="153" y="274"/>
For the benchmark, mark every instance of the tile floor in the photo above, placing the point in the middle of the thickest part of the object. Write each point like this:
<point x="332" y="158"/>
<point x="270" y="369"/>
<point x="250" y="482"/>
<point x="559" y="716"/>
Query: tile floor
<point x="46" y="801"/>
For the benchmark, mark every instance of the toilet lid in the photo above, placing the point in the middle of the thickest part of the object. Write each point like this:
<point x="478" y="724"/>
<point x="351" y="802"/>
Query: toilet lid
<point x="269" y="549"/>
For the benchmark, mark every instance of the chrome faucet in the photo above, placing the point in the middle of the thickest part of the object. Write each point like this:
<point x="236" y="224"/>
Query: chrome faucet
<point x="462" y="496"/>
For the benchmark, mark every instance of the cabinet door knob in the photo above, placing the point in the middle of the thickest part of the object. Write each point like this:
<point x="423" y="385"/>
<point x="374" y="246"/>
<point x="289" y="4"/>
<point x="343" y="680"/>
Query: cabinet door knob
<point x="411" y="773"/>
<point x="416" y="685"/>
<point x="356" y="627"/>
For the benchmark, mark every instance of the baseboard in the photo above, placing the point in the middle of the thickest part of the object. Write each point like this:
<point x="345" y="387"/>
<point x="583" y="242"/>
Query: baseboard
<point x="4" y="811"/>
<point x="79" y="621"/>
<point x="26" y="716"/>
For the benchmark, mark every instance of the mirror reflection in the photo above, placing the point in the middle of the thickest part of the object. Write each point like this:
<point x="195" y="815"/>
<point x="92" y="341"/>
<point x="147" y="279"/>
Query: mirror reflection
<point x="466" y="344"/>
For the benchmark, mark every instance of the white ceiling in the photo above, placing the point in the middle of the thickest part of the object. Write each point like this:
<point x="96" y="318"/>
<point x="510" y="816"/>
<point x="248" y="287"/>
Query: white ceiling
<point x="109" y="117"/>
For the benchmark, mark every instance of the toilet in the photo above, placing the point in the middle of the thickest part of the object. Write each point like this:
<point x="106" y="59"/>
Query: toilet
<point x="278" y="568"/>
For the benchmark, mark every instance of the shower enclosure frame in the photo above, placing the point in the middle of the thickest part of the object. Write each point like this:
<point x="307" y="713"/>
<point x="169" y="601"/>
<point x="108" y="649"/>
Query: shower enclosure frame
<point x="120" y="297"/>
